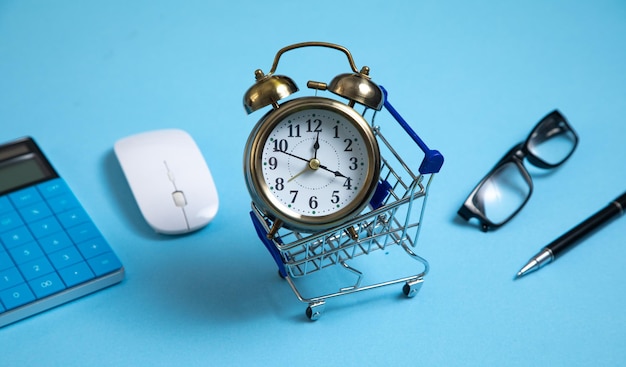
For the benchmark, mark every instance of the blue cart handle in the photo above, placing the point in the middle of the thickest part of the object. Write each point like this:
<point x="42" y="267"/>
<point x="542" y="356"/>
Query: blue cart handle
<point x="433" y="160"/>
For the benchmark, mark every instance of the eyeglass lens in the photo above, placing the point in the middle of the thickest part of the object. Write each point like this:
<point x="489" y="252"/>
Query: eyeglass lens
<point x="503" y="193"/>
<point x="551" y="141"/>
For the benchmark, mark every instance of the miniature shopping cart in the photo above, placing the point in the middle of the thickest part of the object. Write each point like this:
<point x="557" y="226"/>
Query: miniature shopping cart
<point x="391" y="222"/>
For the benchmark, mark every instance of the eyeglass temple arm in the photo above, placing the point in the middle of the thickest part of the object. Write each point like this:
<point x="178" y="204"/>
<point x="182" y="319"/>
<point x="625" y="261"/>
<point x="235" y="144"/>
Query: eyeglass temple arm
<point x="433" y="160"/>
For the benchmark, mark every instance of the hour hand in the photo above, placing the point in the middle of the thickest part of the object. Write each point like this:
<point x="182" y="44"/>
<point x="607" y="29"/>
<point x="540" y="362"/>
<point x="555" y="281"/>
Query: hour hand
<point x="316" y="146"/>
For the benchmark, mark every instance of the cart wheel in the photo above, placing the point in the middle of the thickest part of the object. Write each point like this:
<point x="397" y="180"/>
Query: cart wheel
<point x="411" y="288"/>
<point x="314" y="310"/>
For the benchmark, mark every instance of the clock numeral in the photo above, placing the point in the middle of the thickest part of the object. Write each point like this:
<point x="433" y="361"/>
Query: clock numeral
<point x="295" y="194"/>
<point x="273" y="162"/>
<point x="280" y="184"/>
<point x="335" y="198"/>
<point x="313" y="202"/>
<point x="348" y="183"/>
<point x="280" y="145"/>
<point x="314" y="126"/>
<point x="348" y="145"/>
<point x="354" y="164"/>
<point x="336" y="128"/>
<point x="294" y="131"/>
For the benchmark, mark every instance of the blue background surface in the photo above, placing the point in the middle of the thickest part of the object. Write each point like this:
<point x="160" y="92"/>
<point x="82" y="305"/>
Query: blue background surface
<point x="471" y="77"/>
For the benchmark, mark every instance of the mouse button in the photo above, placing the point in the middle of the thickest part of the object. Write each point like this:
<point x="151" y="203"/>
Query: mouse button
<point x="179" y="198"/>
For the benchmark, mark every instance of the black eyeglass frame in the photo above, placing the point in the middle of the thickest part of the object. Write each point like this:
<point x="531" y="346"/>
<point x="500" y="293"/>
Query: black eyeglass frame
<point x="552" y="124"/>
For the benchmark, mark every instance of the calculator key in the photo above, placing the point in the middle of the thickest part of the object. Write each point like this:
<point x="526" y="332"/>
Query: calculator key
<point x="26" y="253"/>
<point x="5" y="260"/>
<point x="83" y="232"/>
<point x="25" y="197"/>
<point x="36" y="268"/>
<point x="55" y="242"/>
<point x="76" y="274"/>
<point x="10" y="220"/>
<point x="10" y="277"/>
<point x="16" y="296"/>
<point x="53" y="188"/>
<point x="73" y="217"/>
<point x="64" y="258"/>
<point x="63" y="202"/>
<point x="35" y="212"/>
<point x="45" y="227"/>
<point x="104" y="263"/>
<point x="46" y="285"/>
<point x="16" y="237"/>
<point x="5" y="204"/>
<point x="93" y="247"/>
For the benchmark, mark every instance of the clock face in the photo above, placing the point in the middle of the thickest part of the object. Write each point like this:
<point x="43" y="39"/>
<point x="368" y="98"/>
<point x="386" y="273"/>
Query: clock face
<point x="317" y="163"/>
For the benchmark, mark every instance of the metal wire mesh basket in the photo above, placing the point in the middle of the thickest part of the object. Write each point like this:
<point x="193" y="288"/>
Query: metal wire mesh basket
<point x="393" y="219"/>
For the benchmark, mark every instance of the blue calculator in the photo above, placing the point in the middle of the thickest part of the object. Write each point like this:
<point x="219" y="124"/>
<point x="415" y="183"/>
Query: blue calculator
<point x="50" y="250"/>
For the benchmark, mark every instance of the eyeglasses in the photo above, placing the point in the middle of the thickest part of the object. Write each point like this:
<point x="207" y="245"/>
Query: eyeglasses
<point x="507" y="187"/>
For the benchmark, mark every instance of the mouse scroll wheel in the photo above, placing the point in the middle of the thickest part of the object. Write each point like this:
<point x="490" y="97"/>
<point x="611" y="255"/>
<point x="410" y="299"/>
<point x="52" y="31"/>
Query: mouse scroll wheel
<point x="179" y="198"/>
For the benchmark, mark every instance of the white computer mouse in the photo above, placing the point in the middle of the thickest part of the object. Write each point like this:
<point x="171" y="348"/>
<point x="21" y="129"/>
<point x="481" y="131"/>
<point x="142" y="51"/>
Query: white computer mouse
<point x="170" y="180"/>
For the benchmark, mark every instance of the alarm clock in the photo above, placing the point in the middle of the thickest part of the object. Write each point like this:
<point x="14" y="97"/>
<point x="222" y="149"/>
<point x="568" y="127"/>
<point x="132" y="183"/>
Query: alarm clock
<point x="312" y="162"/>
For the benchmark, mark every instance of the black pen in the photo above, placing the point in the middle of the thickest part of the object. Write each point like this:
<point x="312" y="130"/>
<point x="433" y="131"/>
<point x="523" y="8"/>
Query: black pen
<point x="569" y="239"/>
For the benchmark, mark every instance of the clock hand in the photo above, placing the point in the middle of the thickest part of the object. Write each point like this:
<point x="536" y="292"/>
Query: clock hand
<point x="336" y="173"/>
<point x="314" y="164"/>
<point x="299" y="173"/>
<point x="318" y="165"/>
<point x="316" y="146"/>
<point x="295" y="156"/>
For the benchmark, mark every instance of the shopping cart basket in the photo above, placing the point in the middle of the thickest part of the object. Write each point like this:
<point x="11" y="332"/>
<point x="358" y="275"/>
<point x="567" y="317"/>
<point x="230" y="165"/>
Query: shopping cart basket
<point x="394" y="217"/>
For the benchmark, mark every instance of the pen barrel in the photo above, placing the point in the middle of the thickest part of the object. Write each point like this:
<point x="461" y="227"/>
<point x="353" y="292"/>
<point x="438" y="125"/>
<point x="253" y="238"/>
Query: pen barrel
<point x="576" y="234"/>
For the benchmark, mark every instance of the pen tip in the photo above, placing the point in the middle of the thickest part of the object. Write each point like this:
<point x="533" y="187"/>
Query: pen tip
<point x="532" y="265"/>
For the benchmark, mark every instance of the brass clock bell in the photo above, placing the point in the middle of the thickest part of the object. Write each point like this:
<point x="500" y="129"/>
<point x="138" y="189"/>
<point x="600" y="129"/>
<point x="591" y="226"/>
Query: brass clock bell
<point x="356" y="86"/>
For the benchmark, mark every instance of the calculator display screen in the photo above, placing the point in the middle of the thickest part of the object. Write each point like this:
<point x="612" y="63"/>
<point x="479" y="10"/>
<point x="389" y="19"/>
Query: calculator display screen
<point x="21" y="164"/>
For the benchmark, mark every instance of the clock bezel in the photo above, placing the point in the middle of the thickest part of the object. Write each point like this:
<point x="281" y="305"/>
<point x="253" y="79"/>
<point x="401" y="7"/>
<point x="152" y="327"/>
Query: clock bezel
<point x="253" y="165"/>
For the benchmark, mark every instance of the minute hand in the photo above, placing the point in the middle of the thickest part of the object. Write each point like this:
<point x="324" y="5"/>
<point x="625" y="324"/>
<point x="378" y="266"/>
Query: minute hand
<point x="336" y="173"/>
<point x="295" y="156"/>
